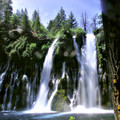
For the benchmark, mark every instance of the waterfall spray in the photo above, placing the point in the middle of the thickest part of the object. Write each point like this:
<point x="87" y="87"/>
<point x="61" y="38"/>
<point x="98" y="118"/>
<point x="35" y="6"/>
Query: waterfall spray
<point x="41" y="102"/>
<point x="88" y="93"/>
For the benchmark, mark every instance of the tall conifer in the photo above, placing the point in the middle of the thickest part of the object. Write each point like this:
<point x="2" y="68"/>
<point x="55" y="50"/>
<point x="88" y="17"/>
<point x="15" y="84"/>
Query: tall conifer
<point x="25" y="22"/>
<point x="7" y="10"/>
<point x="72" y="21"/>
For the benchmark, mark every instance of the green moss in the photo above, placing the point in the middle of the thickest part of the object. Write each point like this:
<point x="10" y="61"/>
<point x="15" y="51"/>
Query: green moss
<point x="101" y="50"/>
<point x="62" y="83"/>
<point x="60" y="102"/>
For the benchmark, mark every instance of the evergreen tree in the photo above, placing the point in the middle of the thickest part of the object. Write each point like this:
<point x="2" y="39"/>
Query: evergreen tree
<point x="72" y="21"/>
<point x="18" y="13"/>
<point x="60" y="19"/>
<point x="25" y="22"/>
<point x="36" y="22"/>
<point x="50" y="25"/>
<point x="62" y="16"/>
<point x="22" y="12"/>
<point x="37" y="25"/>
<point x="1" y="10"/>
<point x="34" y="17"/>
<point x="14" y="21"/>
<point x="7" y="10"/>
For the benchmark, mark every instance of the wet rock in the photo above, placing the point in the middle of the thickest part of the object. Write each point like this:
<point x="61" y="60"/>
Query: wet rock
<point x="61" y="102"/>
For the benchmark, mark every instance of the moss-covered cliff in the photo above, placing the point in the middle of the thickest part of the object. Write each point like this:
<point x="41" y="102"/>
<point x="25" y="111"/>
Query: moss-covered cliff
<point x="22" y="56"/>
<point x="104" y="82"/>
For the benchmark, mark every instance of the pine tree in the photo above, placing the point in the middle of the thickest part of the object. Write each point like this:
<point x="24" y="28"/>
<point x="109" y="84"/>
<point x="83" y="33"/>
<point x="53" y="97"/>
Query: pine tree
<point x="14" y="21"/>
<point x="36" y="22"/>
<point x="37" y="25"/>
<point x="62" y="17"/>
<point x="1" y="10"/>
<point x="19" y="14"/>
<point x="50" y="25"/>
<point x="34" y="17"/>
<point x="58" y="21"/>
<point x="72" y="21"/>
<point x="7" y="10"/>
<point x="25" y="22"/>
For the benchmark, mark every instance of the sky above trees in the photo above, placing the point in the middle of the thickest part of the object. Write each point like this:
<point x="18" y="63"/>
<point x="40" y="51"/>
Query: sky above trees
<point x="49" y="8"/>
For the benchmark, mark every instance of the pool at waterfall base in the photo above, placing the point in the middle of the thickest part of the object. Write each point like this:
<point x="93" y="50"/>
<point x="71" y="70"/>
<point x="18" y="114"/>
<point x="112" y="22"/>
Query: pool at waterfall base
<point x="54" y="116"/>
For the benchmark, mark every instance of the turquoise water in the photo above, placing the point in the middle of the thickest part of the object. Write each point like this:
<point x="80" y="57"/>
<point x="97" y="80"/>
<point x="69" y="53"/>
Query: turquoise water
<point x="54" y="116"/>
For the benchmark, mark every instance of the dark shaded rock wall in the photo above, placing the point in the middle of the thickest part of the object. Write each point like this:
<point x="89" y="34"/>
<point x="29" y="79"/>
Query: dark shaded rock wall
<point x="111" y="22"/>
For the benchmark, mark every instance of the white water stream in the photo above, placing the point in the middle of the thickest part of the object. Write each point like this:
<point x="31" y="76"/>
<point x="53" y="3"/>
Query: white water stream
<point x="88" y="93"/>
<point x="41" y="103"/>
<point x="3" y="75"/>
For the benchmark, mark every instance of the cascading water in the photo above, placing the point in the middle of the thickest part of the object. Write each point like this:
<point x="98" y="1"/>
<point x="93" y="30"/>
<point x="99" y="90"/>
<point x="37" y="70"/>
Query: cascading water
<point x="3" y="75"/>
<point x="13" y="78"/>
<point x="55" y="82"/>
<point x="88" y="93"/>
<point x="41" y="103"/>
<point x="82" y="88"/>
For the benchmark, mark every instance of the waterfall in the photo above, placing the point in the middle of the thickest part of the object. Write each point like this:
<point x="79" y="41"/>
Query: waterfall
<point x="88" y="92"/>
<point x="14" y="77"/>
<point x="41" y="103"/>
<point x="28" y="89"/>
<point x="55" y="82"/>
<point x="3" y="75"/>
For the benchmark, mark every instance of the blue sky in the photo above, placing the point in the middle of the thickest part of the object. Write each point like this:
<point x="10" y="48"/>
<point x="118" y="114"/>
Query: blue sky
<point x="48" y="9"/>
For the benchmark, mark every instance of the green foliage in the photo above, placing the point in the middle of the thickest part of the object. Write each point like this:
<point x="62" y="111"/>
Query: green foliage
<point x="58" y="47"/>
<point x="34" y="17"/>
<point x="63" y="83"/>
<point x="50" y="35"/>
<point x="101" y="49"/>
<point x="100" y="21"/>
<point x="37" y="25"/>
<point x="78" y="32"/>
<point x="42" y="34"/>
<point x="13" y="52"/>
<point x="22" y="48"/>
<point x="45" y="46"/>
<point x="32" y="46"/>
<point x="57" y="24"/>
<point x="7" y="11"/>
<point x="60" y="101"/>
<point x="50" y="25"/>
<point x="62" y="26"/>
<point x="72" y="21"/>
<point x="60" y="19"/>
<point x="25" y="22"/>
<point x="14" y="20"/>
<point x="1" y="10"/>
<point x="72" y="118"/>
<point x="65" y="32"/>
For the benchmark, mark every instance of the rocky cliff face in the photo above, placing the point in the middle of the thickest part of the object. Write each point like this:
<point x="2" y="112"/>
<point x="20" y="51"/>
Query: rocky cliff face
<point x="111" y="22"/>
<point x="21" y="61"/>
